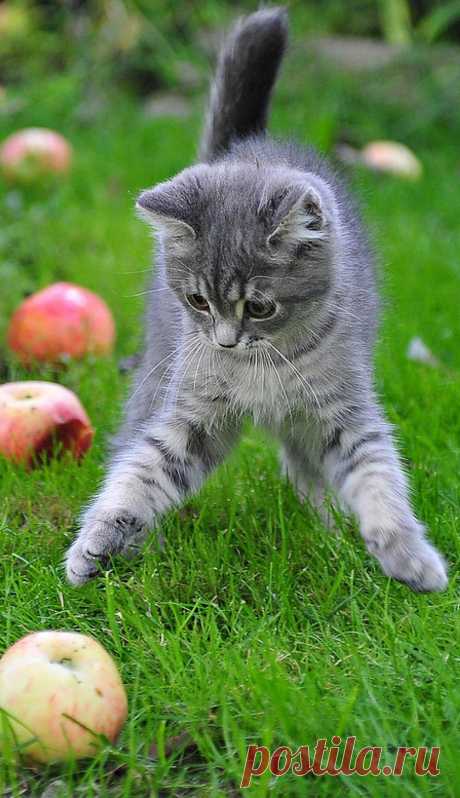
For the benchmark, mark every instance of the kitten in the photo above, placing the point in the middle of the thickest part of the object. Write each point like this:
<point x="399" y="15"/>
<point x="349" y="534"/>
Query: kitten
<point x="263" y="304"/>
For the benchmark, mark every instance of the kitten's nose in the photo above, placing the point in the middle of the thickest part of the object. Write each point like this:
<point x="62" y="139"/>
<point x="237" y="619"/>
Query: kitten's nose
<point x="226" y="335"/>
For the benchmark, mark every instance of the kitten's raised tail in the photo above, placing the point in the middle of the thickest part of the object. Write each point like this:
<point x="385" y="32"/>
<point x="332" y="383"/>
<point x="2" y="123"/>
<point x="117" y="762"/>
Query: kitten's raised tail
<point x="247" y="69"/>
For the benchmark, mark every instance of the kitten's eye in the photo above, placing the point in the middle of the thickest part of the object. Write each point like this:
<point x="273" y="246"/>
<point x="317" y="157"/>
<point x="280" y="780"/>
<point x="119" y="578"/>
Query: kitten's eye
<point x="260" y="310"/>
<point x="198" y="302"/>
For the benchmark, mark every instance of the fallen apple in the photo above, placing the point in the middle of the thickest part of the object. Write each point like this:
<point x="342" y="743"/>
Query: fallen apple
<point x="36" y="416"/>
<point x="59" y="691"/>
<point x="391" y="156"/>
<point x="33" y="153"/>
<point x="63" y="320"/>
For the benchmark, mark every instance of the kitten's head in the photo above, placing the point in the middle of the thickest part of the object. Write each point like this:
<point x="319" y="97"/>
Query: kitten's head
<point x="249" y="250"/>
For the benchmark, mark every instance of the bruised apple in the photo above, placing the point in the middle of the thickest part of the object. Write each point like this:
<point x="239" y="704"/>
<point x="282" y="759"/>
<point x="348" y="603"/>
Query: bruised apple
<point x="33" y="153"/>
<point x="36" y="416"/>
<point x="61" y="321"/>
<point x="59" y="691"/>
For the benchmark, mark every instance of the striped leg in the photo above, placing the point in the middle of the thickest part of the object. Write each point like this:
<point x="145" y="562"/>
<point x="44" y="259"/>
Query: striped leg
<point x="165" y="463"/>
<point x="306" y="478"/>
<point x="362" y="465"/>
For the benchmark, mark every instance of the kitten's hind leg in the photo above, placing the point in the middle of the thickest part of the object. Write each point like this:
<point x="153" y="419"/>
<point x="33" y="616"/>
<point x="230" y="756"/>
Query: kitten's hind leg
<point x="362" y="465"/>
<point x="306" y="480"/>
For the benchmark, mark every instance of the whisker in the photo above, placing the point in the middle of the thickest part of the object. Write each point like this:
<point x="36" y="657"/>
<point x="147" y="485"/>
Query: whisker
<point x="136" y="271"/>
<point x="300" y="377"/>
<point x="282" y="389"/>
<point x="147" y="292"/>
<point x="152" y="370"/>
<point x="184" y="350"/>
<point x="203" y="350"/>
<point x="258" y="292"/>
<point x="176" y="388"/>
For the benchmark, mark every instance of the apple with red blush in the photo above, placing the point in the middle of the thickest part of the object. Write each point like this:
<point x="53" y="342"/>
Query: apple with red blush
<point x="38" y="418"/>
<point x="59" y="322"/>
<point x="61" y="695"/>
<point x="32" y="154"/>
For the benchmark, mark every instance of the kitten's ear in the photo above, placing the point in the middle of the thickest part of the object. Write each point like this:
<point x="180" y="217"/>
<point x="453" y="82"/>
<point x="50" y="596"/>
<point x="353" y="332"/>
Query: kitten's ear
<point x="300" y="219"/>
<point x="169" y="208"/>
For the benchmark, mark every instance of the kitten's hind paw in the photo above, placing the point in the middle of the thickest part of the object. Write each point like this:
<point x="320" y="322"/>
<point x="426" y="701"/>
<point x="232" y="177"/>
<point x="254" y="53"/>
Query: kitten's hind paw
<point x="98" y="541"/>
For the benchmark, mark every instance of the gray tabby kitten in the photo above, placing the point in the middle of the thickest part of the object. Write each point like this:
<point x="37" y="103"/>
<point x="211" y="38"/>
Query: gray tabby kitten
<point x="263" y="304"/>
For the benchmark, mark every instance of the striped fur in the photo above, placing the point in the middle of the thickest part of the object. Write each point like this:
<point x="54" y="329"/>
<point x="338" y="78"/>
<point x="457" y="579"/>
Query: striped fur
<point x="246" y="72"/>
<point x="257" y="224"/>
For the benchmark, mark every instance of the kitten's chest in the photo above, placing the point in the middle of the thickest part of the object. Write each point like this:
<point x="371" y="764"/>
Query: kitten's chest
<point x="265" y="394"/>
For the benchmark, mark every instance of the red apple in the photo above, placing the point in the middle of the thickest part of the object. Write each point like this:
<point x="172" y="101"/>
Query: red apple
<point x="34" y="416"/>
<point x="34" y="152"/>
<point x="59" y="690"/>
<point x="62" y="320"/>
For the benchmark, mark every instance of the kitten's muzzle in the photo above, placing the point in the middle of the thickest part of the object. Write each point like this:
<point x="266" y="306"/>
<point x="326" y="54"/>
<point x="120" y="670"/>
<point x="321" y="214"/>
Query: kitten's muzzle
<point x="226" y="335"/>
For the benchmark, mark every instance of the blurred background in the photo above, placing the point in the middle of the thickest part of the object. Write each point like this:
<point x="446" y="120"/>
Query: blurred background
<point x="75" y="47"/>
<point x="147" y="45"/>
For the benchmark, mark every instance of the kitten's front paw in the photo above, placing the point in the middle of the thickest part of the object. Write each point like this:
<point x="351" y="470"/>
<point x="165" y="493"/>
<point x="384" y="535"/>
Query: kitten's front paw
<point x="413" y="561"/>
<point x="100" y="539"/>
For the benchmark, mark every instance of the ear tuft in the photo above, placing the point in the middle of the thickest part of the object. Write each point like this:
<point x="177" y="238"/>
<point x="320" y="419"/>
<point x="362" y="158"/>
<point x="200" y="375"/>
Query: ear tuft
<point x="167" y="208"/>
<point x="304" y="222"/>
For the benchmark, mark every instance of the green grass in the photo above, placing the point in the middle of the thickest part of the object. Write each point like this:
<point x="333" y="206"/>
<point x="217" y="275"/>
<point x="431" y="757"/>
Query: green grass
<point x="251" y="624"/>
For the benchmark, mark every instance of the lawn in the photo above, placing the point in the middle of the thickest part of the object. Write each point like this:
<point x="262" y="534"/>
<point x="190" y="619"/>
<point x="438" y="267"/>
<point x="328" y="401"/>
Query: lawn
<point x="251" y="624"/>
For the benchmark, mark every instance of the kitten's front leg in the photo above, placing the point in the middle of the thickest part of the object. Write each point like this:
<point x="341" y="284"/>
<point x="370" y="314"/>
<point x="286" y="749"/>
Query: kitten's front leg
<point x="362" y="465"/>
<point x="162" y="465"/>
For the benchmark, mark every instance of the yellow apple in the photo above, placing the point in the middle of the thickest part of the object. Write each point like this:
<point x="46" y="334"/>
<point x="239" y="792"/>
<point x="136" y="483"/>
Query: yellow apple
<point x="59" y="690"/>
<point x="391" y="156"/>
